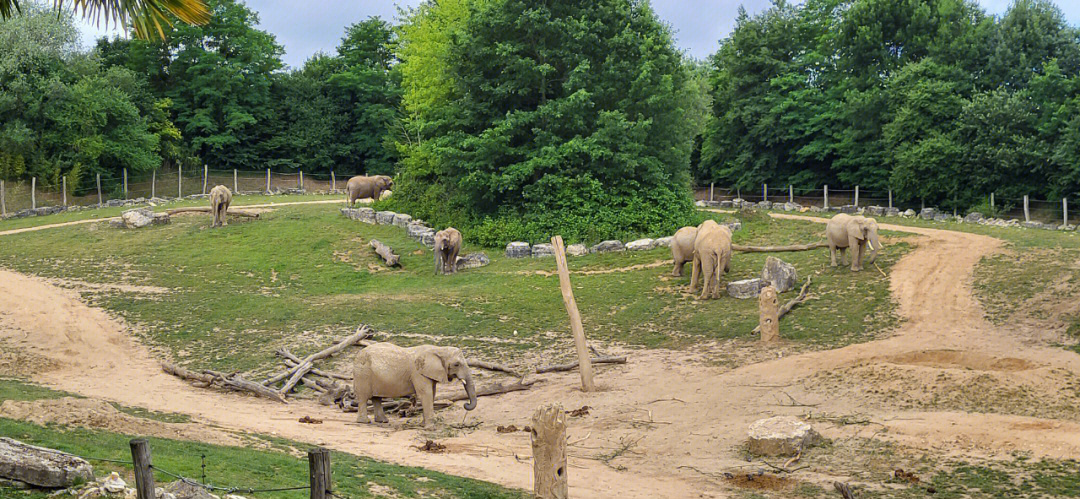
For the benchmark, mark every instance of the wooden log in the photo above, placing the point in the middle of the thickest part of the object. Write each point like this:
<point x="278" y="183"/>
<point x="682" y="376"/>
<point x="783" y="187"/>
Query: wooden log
<point x="144" y="468"/>
<point x="362" y="332"/>
<point x="782" y="311"/>
<point x="844" y="490"/>
<point x="582" y="347"/>
<point x="292" y="361"/>
<point x="493" y="389"/>
<point x="549" y="452"/>
<point x="492" y="367"/>
<point x="312" y="385"/>
<point x="775" y="249"/>
<point x="319" y="470"/>
<point x="386" y="253"/>
<point x="234" y="381"/>
<point x="571" y="366"/>
<point x="768" y="320"/>
<point x="206" y="209"/>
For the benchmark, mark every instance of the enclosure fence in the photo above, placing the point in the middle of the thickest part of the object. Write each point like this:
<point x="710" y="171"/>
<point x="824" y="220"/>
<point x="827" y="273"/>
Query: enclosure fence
<point x="1026" y="208"/>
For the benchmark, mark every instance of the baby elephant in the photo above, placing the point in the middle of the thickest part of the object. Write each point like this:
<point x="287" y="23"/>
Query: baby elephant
<point x="447" y="246"/>
<point x="220" y="199"/>
<point x="387" y="370"/>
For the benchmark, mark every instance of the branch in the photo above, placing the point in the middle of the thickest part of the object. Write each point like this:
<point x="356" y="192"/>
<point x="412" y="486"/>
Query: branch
<point x="493" y="367"/>
<point x="775" y="249"/>
<point x="573" y="365"/>
<point x="362" y="332"/>
<point x="232" y="381"/>
<point x="495" y="389"/>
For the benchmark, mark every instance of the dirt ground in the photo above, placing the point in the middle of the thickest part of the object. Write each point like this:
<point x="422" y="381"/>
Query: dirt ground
<point x="668" y="423"/>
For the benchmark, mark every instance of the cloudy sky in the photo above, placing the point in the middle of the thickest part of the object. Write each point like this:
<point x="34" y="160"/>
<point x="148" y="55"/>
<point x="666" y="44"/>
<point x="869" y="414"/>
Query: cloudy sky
<point x="319" y="25"/>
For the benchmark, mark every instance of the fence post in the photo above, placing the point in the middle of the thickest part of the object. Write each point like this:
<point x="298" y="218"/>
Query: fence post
<point x="179" y="181"/>
<point x="301" y="179"/>
<point x="549" y="452"/>
<point x="856" y="196"/>
<point x="790" y="194"/>
<point x="33" y="193"/>
<point x="764" y="192"/>
<point x="991" y="201"/>
<point x="890" y="199"/>
<point x="153" y="184"/>
<point x="99" y="190"/>
<point x="125" y="184"/>
<point x="333" y="181"/>
<point x="268" y="181"/>
<point x="1027" y="215"/>
<point x="235" y="184"/>
<point x="319" y="470"/>
<point x="64" y="188"/>
<point x="1064" y="212"/>
<point x="144" y="473"/>
<point x="712" y="188"/>
<point x="3" y="200"/>
<point x="205" y="173"/>
<point x="575" y="316"/>
<point x="826" y="196"/>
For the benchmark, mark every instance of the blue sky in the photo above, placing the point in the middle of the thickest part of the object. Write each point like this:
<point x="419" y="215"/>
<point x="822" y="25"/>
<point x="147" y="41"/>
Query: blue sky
<point x="319" y="24"/>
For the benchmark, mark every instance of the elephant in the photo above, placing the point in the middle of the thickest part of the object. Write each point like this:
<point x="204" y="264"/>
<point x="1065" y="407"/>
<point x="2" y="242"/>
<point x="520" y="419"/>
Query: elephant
<point x="220" y="199"/>
<point x="387" y="370"/>
<point x="712" y="257"/>
<point x="447" y="247"/>
<point x="845" y="231"/>
<point x="361" y="186"/>
<point x="682" y="249"/>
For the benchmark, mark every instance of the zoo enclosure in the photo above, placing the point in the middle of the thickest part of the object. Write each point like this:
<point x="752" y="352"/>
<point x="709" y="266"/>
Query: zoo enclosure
<point x="1025" y="208"/>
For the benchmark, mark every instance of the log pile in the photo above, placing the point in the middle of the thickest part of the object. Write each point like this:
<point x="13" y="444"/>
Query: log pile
<point x="234" y="381"/>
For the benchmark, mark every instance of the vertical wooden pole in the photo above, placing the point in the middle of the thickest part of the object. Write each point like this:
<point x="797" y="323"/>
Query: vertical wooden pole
<point x="144" y="473"/>
<point x="205" y="173"/>
<point x="33" y="193"/>
<point x="575" y="317"/>
<point x="153" y="184"/>
<point x="890" y="199"/>
<point x="549" y="452"/>
<point x="764" y="192"/>
<point x="64" y="189"/>
<point x="991" y="201"/>
<point x="712" y="187"/>
<point x="179" y="181"/>
<point x="856" y="196"/>
<point x="125" y="184"/>
<point x="99" y="203"/>
<point x="333" y="181"/>
<point x="235" y="182"/>
<point x="769" y="315"/>
<point x="826" y="196"/>
<point x="3" y="200"/>
<point x="790" y="194"/>
<point x="1064" y="211"/>
<point x="301" y="179"/>
<point x="268" y="181"/>
<point x="319" y="470"/>
<point x="1027" y="215"/>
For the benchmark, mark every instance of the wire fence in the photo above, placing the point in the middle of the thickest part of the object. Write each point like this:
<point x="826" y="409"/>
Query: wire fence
<point x="1046" y="211"/>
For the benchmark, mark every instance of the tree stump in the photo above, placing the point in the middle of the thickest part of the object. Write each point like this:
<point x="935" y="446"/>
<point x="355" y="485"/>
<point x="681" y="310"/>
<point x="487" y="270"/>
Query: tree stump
<point x="549" y="452"/>
<point x="769" y="319"/>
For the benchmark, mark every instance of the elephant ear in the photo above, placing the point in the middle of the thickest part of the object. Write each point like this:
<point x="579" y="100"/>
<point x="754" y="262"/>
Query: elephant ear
<point x="430" y="365"/>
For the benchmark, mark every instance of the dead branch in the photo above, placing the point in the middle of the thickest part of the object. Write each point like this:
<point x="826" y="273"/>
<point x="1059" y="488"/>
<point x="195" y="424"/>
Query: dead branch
<point x="206" y="209"/>
<point x="233" y="381"/>
<point x="292" y="361"/>
<point x="789" y="305"/>
<point x="494" y="389"/>
<point x="844" y="490"/>
<point x="362" y="332"/>
<point x="385" y="252"/>
<point x="493" y="367"/>
<point x="776" y="249"/>
<point x="573" y="365"/>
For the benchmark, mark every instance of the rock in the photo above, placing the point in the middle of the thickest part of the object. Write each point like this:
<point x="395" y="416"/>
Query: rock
<point x="350" y="213"/>
<point x="641" y="245"/>
<point x="402" y="220"/>
<point x="875" y="211"/>
<point x="664" y="241"/>
<point x="233" y="496"/>
<point x="746" y="288"/>
<point x="700" y="203"/>
<point x="417" y="231"/>
<point x="472" y="261"/>
<point x="137" y="218"/>
<point x="734" y="226"/>
<point x="927" y="213"/>
<point x="518" y="249"/>
<point x="113" y="484"/>
<point x="117" y="223"/>
<point x="13" y="484"/>
<point x="850" y="209"/>
<point x="908" y="213"/>
<point x="779" y="274"/>
<point x="725" y="204"/>
<point x="765" y="205"/>
<point x="184" y="490"/>
<point x="41" y="467"/>
<point x="543" y="249"/>
<point x="781" y="436"/>
<point x="159" y="493"/>
<point x="385" y="217"/>
<point x="789" y="206"/>
<point x="608" y="246"/>
<point x="428" y="239"/>
<point x="160" y="219"/>
<point x="892" y="212"/>
<point x="1037" y="225"/>
<point x="816" y="209"/>
<point x="577" y="250"/>
<point x="941" y="217"/>
<point x="973" y="217"/>
<point x="386" y="195"/>
<point x="366" y="215"/>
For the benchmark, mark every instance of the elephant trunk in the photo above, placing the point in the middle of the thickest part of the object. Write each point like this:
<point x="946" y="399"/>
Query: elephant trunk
<point x="470" y="390"/>
<point x="874" y="245"/>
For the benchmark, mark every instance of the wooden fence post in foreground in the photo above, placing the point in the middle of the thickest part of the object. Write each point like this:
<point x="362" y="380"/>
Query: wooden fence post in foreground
<point x="144" y="473"/>
<point x="33" y="193"/>
<point x="1027" y="215"/>
<point x="769" y="318"/>
<point x="319" y="469"/>
<point x="549" y="452"/>
<point x="575" y="317"/>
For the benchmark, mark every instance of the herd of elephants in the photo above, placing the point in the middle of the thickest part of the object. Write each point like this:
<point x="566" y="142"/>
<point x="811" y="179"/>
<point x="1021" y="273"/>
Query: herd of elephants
<point x="385" y="370"/>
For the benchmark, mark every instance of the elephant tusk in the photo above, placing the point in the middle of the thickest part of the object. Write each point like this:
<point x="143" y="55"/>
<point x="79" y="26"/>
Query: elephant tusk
<point x="870" y="245"/>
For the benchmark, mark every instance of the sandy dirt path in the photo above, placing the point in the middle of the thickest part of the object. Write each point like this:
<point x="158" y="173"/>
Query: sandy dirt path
<point x="668" y="410"/>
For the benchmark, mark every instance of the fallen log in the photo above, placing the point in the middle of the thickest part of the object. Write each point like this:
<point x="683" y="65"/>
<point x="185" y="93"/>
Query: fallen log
<point x="775" y="249"/>
<point x="291" y="362"/>
<point x="385" y="252"/>
<point x="573" y="365"/>
<point x="206" y="209"/>
<point x="790" y="304"/>
<point x="362" y="332"/>
<point x="495" y="389"/>
<point x="493" y="367"/>
<point x="233" y="381"/>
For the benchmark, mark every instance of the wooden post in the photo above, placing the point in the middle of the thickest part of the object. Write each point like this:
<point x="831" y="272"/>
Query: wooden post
<point x="991" y="201"/>
<point x="268" y="181"/>
<point x="144" y="472"/>
<point x="769" y="317"/>
<point x="205" y="173"/>
<point x="302" y="180"/>
<point x="790" y="194"/>
<point x="319" y="470"/>
<point x="764" y="192"/>
<point x="890" y="199"/>
<point x="179" y="181"/>
<point x="826" y="196"/>
<point x="125" y="184"/>
<point x="575" y="317"/>
<point x="153" y="184"/>
<point x="3" y="200"/>
<point x="1027" y="215"/>
<point x="856" y="196"/>
<point x="549" y="452"/>
<point x="64" y="189"/>
<point x="333" y="181"/>
<point x="99" y="203"/>
<point x="235" y="182"/>
<point x="712" y="187"/>
<point x="1064" y="211"/>
<point x="33" y="193"/>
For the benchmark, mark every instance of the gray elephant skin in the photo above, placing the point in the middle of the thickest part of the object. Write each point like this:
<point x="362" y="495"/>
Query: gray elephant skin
<point x="220" y="199"/>
<point x="712" y="258"/>
<point x="682" y="249"/>
<point x="387" y="370"/>
<point x="447" y="247"/>
<point x="362" y="186"/>
<point x="855" y="233"/>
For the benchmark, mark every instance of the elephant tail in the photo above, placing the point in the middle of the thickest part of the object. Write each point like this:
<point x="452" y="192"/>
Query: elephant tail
<point x="719" y="266"/>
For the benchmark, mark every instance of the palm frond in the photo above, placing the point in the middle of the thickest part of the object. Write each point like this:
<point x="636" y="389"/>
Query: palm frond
<point x="148" y="18"/>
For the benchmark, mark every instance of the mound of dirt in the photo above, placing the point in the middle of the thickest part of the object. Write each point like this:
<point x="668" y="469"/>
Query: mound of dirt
<point x="101" y="415"/>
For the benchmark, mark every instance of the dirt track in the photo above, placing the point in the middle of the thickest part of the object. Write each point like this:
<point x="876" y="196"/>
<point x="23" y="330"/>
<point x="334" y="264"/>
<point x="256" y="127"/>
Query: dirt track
<point x="671" y="406"/>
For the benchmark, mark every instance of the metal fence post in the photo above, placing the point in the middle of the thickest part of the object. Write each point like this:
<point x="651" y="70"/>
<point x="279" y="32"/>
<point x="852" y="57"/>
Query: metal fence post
<point x="125" y="184"/>
<point x="33" y="193"/>
<point x="826" y="196"/>
<point x="205" y="173"/>
<point x="64" y="189"/>
<point x="319" y="471"/>
<point x="144" y="472"/>
<point x="235" y="184"/>
<point x="856" y="196"/>
<point x="99" y="203"/>
<point x="1027" y="215"/>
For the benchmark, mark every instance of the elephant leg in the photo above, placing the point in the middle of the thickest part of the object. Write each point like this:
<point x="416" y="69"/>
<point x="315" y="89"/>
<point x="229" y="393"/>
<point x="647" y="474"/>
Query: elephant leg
<point x="426" y="393"/>
<point x="224" y="215"/>
<point x="832" y="254"/>
<point x="677" y="270"/>
<point x="453" y="261"/>
<point x="707" y="276"/>
<point x="380" y="416"/>
<point x="695" y="273"/>
<point x="362" y="397"/>
<point x="853" y="245"/>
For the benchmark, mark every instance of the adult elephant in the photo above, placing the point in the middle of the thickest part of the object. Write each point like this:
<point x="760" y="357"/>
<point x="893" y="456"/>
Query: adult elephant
<point x="387" y="370"/>
<point x="447" y="247"/>
<point x="712" y="257"/>
<point x="682" y="249"/>
<point x="855" y="233"/>
<point x="220" y="199"/>
<point x="362" y="186"/>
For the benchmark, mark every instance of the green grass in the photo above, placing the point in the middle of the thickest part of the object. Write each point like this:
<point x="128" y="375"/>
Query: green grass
<point x="13" y="389"/>
<point x="1019" y="477"/>
<point x="303" y="276"/>
<point x="257" y="468"/>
